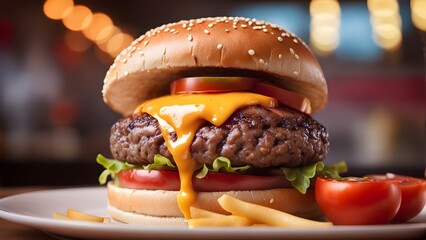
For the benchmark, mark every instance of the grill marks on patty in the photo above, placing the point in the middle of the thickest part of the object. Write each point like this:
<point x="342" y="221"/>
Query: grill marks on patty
<point x="253" y="135"/>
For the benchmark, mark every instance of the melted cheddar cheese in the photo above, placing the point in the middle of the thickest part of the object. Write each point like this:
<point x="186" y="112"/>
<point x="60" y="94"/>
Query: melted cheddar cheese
<point x="185" y="114"/>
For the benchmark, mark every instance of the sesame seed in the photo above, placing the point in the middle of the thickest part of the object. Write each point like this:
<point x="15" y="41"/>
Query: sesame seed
<point x="280" y="39"/>
<point x="291" y="51"/>
<point x="124" y="60"/>
<point x="265" y="30"/>
<point x="175" y="32"/>
<point x="146" y="42"/>
<point x="251" y="52"/>
<point x="113" y="66"/>
<point x="190" y="37"/>
<point x="191" y="24"/>
<point x="296" y="73"/>
<point x="257" y="27"/>
<point x="235" y="27"/>
<point x="184" y="25"/>
<point x="220" y="46"/>
<point x="261" y="61"/>
<point x="140" y="53"/>
<point x="210" y="25"/>
<point x="295" y="40"/>
<point x="189" y="29"/>
<point x="296" y="56"/>
<point x="126" y="73"/>
<point x="226" y="30"/>
<point x="206" y="31"/>
<point x="138" y="40"/>
<point x="166" y="29"/>
<point x="280" y="56"/>
<point x="271" y="201"/>
<point x="244" y="25"/>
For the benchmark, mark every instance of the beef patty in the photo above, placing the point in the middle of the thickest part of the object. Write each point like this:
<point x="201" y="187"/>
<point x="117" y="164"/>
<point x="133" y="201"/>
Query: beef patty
<point x="253" y="135"/>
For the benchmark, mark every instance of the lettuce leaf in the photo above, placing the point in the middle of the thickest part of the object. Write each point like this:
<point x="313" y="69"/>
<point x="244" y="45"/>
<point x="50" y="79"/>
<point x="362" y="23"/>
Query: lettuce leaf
<point x="220" y="163"/>
<point x="333" y="171"/>
<point x="300" y="178"/>
<point x="112" y="167"/>
<point x="159" y="162"/>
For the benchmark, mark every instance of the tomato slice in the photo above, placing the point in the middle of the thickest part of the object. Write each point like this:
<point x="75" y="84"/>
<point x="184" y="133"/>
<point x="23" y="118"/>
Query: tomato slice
<point x="357" y="201"/>
<point x="285" y="97"/>
<point x="413" y="195"/>
<point x="193" y="85"/>
<point x="211" y="85"/>
<point x="212" y="182"/>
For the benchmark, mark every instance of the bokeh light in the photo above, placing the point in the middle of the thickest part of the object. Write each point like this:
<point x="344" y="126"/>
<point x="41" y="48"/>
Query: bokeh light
<point x="76" y="41"/>
<point x="325" y="25"/>
<point x="57" y="9"/>
<point x="117" y="43"/>
<point x="100" y="21"/>
<point x="79" y="18"/>
<point x="418" y="14"/>
<point x="386" y="23"/>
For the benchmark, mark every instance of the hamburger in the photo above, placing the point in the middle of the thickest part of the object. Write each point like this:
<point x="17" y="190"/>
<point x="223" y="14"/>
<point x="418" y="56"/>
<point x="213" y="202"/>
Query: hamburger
<point x="213" y="106"/>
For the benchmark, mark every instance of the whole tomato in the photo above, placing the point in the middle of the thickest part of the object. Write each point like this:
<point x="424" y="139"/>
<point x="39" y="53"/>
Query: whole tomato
<point x="413" y="195"/>
<point x="358" y="201"/>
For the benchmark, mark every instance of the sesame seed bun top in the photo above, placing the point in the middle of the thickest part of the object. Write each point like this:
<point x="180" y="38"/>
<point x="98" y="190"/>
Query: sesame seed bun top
<point x="221" y="46"/>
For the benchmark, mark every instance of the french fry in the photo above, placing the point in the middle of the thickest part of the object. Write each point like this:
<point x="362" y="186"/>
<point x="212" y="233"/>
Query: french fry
<point x="201" y="213"/>
<point x="224" y="221"/>
<point x="268" y="216"/>
<point x="76" y="215"/>
<point x="57" y="215"/>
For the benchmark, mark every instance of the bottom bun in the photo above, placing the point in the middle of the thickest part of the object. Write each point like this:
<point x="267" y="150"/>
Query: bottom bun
<point x="154" y="206"/>
<point x="138" y="218"/>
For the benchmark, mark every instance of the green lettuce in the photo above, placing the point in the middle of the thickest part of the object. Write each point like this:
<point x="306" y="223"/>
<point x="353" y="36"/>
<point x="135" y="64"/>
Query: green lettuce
<point x="220" y="163"/>
<point x="333" y="171"/>
<point x="159" y="162"/>
<point x="300" y="178"/>
<point x="112" y="167"/>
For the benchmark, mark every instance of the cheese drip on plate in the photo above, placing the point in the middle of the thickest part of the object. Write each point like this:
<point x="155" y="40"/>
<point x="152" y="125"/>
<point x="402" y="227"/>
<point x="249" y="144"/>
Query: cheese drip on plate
<point x="185" y="114"/>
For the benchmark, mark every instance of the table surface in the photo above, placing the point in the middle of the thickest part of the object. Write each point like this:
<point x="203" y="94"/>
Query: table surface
<point x="13" y="231"/>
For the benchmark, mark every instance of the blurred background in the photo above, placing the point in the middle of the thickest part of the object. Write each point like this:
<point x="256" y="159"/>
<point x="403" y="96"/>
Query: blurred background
<point x="54" y="55"/>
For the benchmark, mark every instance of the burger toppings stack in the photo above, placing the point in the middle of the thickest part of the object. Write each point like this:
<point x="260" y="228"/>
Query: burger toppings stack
<point x="213" y="107"/>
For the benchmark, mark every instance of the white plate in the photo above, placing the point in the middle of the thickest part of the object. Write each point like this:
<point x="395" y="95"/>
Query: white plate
<point x="35" y="209"/>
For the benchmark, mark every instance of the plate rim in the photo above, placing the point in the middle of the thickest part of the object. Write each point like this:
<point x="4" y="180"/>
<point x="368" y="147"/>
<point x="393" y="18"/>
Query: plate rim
<point x="63" y="227"/>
